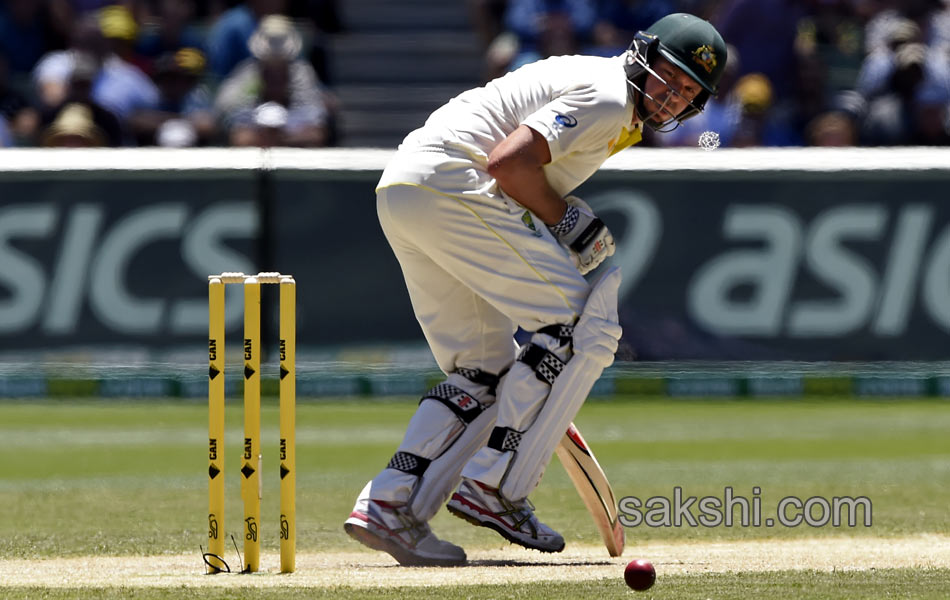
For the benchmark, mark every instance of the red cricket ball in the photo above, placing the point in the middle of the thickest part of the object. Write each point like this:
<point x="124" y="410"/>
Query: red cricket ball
<point x="639" y="574"/>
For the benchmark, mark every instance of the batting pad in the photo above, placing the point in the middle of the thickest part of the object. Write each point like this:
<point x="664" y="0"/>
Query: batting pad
<point x="450" y="418"/>
<point x="596" y="336"/>
<point x="521" y="397"/>
<point x="445" y="472"/>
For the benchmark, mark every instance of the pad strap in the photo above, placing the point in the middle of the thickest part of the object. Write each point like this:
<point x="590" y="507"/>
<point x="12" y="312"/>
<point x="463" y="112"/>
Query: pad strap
<point x="460" y="402"/>
<point x="479" y="377"/>
<point x="562" y="333"/>
<point x="546" y="365"/>
<point x="409" y="463"/>
<point x="504" y="439"/>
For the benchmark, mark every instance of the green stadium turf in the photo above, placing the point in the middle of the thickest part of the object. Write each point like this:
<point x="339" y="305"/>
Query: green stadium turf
<point x="112" y="478"/>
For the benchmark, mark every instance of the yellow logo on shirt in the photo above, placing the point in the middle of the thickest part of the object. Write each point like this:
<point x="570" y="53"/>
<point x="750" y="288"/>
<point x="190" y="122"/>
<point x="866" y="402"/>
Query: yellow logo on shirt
<point x="527" y="220"/>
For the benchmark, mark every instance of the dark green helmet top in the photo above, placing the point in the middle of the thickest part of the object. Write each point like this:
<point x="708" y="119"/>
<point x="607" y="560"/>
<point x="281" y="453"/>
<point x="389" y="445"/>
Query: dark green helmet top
<point x="693" y="45"/>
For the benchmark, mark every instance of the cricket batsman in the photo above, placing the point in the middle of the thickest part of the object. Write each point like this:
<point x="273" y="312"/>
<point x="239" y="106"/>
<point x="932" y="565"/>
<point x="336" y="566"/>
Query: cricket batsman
<point x="476" y="205"/>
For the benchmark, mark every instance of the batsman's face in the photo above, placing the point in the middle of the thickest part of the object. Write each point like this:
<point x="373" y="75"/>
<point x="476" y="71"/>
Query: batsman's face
<point x="669" y="91"/>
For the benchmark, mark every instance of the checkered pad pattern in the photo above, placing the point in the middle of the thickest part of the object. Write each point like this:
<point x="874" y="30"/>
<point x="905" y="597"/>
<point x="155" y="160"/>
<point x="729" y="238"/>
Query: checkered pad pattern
<point x="512" y="440"/>
<point x="546" y="365"/>
<point x="408" y="463"/>
<point x="549" y="368"/>
<point x="444" y="391"/>
<point x="470" y="374"/>
<point x="505" y="439"/>
<point x="567" y="222"/>
<point x="564" y="333"/>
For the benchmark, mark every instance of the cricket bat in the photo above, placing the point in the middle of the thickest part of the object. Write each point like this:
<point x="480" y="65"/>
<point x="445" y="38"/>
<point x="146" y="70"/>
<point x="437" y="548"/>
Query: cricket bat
<point x="593" y="487"/>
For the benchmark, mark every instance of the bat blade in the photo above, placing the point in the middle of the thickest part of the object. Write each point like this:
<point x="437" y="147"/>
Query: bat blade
<point x="592" y="486"/>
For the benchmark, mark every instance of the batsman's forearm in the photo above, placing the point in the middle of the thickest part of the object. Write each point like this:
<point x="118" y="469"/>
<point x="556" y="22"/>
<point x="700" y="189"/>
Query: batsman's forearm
<point x="532" y="190"/>
<point x="517" y="164"/>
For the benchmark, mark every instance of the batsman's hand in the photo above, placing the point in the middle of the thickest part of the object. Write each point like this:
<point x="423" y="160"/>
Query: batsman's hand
<point x="585" y="235"/>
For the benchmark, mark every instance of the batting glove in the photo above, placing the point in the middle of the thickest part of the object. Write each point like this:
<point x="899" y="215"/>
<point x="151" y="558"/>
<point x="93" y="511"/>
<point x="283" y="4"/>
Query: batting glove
<point x="586" y="236"/>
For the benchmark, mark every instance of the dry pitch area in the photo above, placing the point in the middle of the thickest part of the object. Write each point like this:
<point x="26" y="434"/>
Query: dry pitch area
<point x="493" y="566"/>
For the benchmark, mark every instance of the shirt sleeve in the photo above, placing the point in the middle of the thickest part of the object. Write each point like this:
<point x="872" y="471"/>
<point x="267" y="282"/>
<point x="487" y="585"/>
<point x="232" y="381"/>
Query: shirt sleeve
<point x="577" y="122"/>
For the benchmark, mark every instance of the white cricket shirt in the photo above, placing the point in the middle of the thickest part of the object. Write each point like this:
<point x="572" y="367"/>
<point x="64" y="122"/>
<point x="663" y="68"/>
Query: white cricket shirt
<point x="580" y="104"/>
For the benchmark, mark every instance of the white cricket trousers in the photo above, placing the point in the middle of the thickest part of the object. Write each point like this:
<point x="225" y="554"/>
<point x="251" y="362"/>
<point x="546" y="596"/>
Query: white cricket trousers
<point x="476" y="268"/>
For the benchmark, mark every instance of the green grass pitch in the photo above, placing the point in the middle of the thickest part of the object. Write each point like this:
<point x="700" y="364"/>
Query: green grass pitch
<point x="89" y="478"/>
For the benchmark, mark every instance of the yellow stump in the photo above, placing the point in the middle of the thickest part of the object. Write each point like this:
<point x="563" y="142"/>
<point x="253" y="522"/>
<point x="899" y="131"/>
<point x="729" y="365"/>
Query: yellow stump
<point x="215" y="424"/>
<point x="251" y="465"/>
<point x="288" y="401"/>
<point x="251" y="482"/>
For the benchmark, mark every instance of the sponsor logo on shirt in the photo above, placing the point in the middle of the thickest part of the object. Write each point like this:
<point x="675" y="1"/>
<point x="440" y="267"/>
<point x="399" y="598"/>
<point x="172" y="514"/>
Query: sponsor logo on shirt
<point x="566" y="120"/>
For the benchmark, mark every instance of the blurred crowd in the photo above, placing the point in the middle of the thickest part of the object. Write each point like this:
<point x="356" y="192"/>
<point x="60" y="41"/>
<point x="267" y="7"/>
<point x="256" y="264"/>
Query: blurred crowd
<point x="182" y="73"/>
<point x="800" y="72"/>
<point x="174" y="73"/>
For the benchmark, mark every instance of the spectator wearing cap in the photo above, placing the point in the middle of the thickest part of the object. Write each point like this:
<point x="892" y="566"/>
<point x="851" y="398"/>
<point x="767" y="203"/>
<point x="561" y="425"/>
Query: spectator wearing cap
<point x="65" y="14"/>
<point x="229" y="36"/>
<point x="119" y="86"/>
<point x="73" y="127"/>
<point x="120" y="30"/>
<point x="274" y="98"/>
<point x="184" y="115"/>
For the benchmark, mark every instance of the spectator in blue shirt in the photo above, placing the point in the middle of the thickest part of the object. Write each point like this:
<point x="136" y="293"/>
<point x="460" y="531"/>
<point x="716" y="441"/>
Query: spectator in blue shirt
<point x="119" y="86"/>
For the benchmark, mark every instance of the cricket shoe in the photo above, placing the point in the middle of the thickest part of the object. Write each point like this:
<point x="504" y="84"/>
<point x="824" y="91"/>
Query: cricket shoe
<point x="515" y="521"/>
<point x="391" y="528"/>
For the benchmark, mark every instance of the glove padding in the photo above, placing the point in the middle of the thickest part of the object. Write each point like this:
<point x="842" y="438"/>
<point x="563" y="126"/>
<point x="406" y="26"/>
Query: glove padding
<point x="589" y="241"/>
